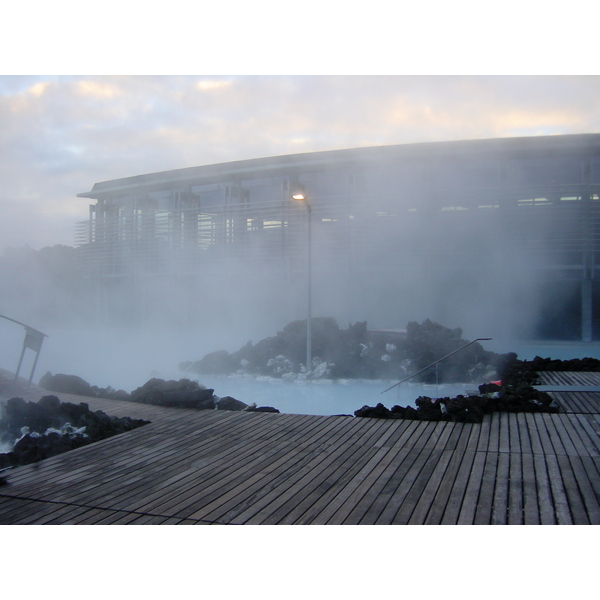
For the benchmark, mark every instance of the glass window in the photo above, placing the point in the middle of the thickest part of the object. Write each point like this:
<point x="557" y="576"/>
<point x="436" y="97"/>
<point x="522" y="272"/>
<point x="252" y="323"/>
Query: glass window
<point x="543" y="171"/>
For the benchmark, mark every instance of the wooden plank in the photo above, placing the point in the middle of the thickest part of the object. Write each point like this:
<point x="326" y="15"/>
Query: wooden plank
<point x="455" y="501"/>
<point x="366" y="489"/>
<point x="212" y="463"/>
<point x="446" y="444"/>
<point x="547" y="447"/>
<point x="315" y="463"/>
<point x="454" y="436"/>
<point x="531" y="513"/>
<point x="575" y="435"/>
<point x="128" y="469"/>
<point x="515" y="491"/>
<point x="494" y="436"/>
<point x="9" y="506"/>
<point x="409" y="435"/>
<point x="504" y="434"/>
<point x="220" y="477"/>
<point x="205" y="453"/>
<point x="390" y="465"/>
<point x="426" y="501"/>
<point x="67" y="515"/>
<point x="533" y="434"/>
<point x="27" y="507"/>
<point x="500" y="505"/>
<point x="444" y="487"/>
<point x="394" y="430"/>
<point x="524" y="437"/>
<point x="514" y="437"/>
<point x="398" y="432"/>
<point x="471" y="497"/>
<point x="576" y="502"/>
<point x="274" y="484"/>
<point x="586" y="489"/>
<point x="555" y="439"/>
<point x="308" y="488"/>
<point x="418" y="477"/>
<point x="559" y="496"/>
<point x="397" y="470"/>
<point x="589" y="437"/>
<point x="314" y="495"/>
<point x="393" y="493"/>
<point x="592" y="469"/>
<point x="58" y="468"/>
<point x="366" y="428"/>
<point x="38" y="512"/>
<point x="547" y="513"/>
<point x="564" y="401"/>
<point x="328" y="500"/>
<point x="484" y="434"/>
<point x="561" y="423"/>
<point x="339" y="506"/>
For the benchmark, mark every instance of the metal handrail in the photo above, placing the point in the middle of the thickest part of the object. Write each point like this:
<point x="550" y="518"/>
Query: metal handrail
<point x="33" y="340"/>
<point x="434" y="363"/>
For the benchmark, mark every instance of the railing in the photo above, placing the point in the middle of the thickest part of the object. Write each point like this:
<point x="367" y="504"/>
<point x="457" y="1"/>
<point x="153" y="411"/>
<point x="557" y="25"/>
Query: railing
<point x="434" y="363"/>
<point x="33" y="340"/>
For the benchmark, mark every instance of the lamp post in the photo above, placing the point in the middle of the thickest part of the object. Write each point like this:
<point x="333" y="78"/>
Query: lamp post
<point x="301" y="197"/>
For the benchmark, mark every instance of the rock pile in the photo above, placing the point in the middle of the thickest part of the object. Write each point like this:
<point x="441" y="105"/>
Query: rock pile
<point x="178" y="394"/>
<point x="184" y="393"/>
<point x="468" y="409"/>
<point x="72" y="384"/>
<point x="38" y="430"/>
<point x="515" y="371"/>
<point x="356" y="353"/>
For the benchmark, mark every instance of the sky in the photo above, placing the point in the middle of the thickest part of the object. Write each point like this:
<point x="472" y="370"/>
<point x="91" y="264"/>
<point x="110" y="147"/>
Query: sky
<point x="91" y="92"/>
<point x="287" y="93"/>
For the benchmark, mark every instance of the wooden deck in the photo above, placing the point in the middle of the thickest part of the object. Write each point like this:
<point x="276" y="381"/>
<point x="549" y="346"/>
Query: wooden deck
<point x="220" y="467"/>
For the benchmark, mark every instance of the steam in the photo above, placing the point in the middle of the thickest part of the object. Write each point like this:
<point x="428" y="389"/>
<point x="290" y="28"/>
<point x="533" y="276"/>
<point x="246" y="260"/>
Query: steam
<point x="468" y="264"/>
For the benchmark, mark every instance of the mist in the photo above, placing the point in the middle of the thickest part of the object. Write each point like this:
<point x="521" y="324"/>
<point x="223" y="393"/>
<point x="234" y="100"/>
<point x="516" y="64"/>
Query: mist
<point x="390" y="245"/>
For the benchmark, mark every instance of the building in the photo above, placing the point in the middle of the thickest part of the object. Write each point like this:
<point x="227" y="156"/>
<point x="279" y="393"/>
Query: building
<point x="496" y="236"/>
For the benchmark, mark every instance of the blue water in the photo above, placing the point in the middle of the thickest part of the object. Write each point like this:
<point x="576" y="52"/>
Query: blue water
<point x="325" y="397"/>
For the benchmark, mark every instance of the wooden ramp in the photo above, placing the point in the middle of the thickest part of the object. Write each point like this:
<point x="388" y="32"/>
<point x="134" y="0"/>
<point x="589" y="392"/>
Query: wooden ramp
<point x="220" y="467"/>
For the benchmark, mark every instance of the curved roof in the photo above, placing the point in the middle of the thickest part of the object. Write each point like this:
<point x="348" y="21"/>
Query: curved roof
<point x="278" y="165"/>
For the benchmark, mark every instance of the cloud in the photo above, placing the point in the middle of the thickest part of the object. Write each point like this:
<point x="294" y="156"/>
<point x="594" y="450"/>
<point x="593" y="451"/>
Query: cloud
<point x="96" y="89"/>
<point x="60" y="135"/>
<point x="211" y="84"/>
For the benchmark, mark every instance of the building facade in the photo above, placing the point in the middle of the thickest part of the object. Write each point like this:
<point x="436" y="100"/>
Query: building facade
<point x="496" y="236"/>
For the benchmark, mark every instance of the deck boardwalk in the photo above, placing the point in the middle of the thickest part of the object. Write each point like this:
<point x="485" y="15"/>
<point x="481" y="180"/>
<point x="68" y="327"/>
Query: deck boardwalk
<point x="220" y="467"/>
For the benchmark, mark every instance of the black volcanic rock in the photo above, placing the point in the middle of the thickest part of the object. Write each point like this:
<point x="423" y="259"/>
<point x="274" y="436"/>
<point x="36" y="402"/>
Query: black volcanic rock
<point x="178" y="394"/>
<point x="73" y="384"/>
<point x="48" y="427"/>
<point x="229" y="403"/>
<point x="468" y="409"/>
<point x="355" y="352"/>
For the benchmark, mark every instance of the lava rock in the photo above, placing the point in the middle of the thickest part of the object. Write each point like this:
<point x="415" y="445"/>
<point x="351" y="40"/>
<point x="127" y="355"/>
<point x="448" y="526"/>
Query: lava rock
<point x="377" y="412"/>
<point x="176" y="394"/>
<point x="72" y="384"/>
<point x="229" y="403"/>
<point x="50" y="427"/>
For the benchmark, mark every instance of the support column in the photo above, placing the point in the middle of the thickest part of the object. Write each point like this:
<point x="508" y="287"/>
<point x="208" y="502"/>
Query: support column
<point x="588" y="268"/>
<point x="586" y="310"/>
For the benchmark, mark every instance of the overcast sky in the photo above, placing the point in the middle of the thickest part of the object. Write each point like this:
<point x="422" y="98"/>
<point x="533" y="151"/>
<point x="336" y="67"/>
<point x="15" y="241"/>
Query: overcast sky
<point x="61" y="134"/>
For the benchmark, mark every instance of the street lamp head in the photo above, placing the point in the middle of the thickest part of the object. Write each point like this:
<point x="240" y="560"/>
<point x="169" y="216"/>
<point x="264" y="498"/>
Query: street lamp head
<point x="300" y="197"/>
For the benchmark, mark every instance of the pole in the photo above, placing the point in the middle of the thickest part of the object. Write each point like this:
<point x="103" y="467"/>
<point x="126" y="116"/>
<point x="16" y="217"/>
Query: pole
<point x="309" y="318"/>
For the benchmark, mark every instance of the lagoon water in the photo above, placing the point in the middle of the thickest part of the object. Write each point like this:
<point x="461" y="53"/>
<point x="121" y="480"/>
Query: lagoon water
<point x="325" y="397"/>
<point x="107" y="358"/>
